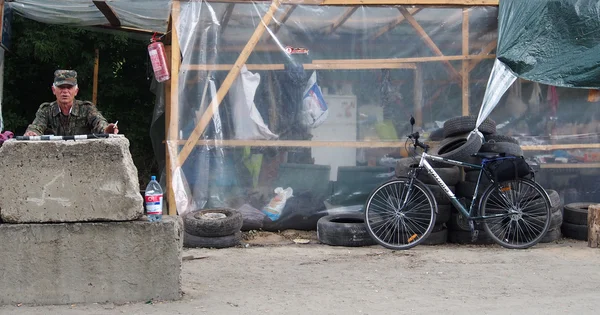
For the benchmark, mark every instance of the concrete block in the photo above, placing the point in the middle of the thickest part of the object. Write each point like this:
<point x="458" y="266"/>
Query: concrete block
<point x="65" y="263"/>
<point x="68" y="181"/>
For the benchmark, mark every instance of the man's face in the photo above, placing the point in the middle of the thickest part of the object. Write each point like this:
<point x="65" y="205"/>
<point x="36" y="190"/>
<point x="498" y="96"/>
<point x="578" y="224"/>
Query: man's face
<point x="65" y="93"/>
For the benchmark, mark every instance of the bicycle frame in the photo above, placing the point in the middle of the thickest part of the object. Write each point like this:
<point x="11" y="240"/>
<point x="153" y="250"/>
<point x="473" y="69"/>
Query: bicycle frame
<point x="468" y="214"/>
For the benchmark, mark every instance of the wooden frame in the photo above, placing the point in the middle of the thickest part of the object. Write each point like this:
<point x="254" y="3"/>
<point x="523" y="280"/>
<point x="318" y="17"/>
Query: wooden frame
<point x="406" y="14"/>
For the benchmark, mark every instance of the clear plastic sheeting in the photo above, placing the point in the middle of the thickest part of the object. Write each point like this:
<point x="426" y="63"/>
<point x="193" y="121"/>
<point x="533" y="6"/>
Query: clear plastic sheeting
<point x="375" y="67"/>
<point x="500" y="80"/>
<point x="151" y="15"/>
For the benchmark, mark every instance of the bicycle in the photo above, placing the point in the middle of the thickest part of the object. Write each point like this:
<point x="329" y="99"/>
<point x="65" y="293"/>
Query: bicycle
<point x="400" y="213"/>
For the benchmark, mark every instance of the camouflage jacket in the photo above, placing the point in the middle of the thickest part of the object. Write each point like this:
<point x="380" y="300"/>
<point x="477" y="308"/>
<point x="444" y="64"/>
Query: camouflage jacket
<point x="83" y="119"/>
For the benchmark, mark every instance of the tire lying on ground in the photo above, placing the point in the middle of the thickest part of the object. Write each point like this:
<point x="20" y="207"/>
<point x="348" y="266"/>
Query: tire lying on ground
<point x="576" y="213"/>
<point x="552" y="235"/>
<point x="437" y="237"/>
<point x="463" y="124"/>
<point x="211" y="242"/>
<point x="464" y="237"/>
<point x="575" y="231"/>
<point x="212" y="222"/>
<point x="344" y="229"/>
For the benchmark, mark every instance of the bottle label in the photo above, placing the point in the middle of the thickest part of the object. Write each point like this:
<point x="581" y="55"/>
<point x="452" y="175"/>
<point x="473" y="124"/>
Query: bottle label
<point x="153" y="204"/>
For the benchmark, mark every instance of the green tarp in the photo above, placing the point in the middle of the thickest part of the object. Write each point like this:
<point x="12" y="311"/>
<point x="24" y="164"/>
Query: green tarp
<point x="555" y="42"/>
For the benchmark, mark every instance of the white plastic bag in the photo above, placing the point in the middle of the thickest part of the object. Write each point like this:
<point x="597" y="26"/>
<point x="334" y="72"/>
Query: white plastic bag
<point x="314" y="109"/>
<point x="247" y="121"/>
<point x="277" y="203"/>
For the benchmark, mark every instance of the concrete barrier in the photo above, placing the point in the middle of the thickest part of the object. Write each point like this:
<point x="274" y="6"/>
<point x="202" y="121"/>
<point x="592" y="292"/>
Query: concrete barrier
<point x="68" y="181"/>
<point x="65" y="263"/>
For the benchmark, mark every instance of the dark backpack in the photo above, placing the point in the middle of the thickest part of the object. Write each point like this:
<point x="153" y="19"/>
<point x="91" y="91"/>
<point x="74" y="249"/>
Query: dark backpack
<point x="509" y="168"/>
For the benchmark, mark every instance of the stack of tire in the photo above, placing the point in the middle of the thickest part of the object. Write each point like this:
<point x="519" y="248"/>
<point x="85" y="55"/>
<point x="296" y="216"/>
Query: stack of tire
<point x="450" y="175"/>
<point x="495" y="143"/>
<point x="455" y="144"/>
<point x="575" y="223"/>
<point x="212" y="228"/>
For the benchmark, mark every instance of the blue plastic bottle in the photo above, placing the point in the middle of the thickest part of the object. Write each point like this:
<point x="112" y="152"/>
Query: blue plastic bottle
<point x="153" y="198"/>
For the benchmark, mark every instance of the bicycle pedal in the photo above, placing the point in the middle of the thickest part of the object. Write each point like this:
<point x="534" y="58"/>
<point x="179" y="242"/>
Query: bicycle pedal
<point x="474" y="235"/>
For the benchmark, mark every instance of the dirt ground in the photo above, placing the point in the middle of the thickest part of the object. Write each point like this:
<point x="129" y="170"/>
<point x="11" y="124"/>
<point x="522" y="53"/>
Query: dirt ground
<point x="272" y="274"/>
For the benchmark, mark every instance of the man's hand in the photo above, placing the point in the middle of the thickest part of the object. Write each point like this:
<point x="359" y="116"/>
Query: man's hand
<point x="30" y="133"/>
<point x="111" y="128"/>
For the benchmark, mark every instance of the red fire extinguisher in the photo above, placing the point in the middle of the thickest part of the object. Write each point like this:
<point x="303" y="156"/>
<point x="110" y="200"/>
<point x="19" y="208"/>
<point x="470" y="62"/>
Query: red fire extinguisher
<point x="158" y="58"/>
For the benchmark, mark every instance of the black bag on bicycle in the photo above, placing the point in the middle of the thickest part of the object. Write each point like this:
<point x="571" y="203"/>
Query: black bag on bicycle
<point x="509" y="168"/>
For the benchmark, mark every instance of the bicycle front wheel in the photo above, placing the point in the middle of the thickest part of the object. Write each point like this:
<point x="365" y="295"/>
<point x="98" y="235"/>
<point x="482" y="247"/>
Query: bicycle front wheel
<point x="517" y="211"/>
<point x="398" y="217"/>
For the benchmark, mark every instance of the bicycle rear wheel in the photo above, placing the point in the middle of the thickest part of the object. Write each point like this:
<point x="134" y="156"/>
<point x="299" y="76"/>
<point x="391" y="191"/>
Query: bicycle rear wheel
<point x="395" y="226"/>
<point x="520" y="210"/>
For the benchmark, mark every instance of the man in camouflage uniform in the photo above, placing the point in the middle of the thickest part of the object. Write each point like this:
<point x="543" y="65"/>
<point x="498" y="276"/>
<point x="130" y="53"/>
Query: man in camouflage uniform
<point x="67" y="116"/>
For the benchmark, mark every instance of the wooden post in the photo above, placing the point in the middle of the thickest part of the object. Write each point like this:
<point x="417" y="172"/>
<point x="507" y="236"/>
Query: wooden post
<point x="418" y="96"/>
<point x="465" y="63"/>
<point x="95" y="84"/>
<point x="594" y="226"/>
<point x="172" y="108"/>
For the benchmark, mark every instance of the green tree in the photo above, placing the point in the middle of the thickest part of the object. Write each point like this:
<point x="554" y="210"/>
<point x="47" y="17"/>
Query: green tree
<point x="124" y="79"/>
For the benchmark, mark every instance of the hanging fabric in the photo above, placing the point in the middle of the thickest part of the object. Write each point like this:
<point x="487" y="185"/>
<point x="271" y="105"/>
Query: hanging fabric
<point x="536" y="98"/>
<point x="514" y="102"/>
<point x="593" y="96"/>
<point x="552" y="99"/>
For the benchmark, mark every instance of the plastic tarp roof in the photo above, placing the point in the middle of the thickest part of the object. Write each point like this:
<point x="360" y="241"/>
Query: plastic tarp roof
<point x="556" y="42"/>
<point x="151" y="15"/>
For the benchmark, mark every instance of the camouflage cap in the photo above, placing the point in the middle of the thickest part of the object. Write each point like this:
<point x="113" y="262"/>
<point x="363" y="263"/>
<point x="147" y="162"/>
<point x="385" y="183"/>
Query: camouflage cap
<point x="62" y="77"/>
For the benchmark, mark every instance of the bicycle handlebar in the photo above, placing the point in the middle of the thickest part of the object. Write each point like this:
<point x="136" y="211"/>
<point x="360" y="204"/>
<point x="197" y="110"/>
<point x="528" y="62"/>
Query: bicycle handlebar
<point x="415" y="136"/>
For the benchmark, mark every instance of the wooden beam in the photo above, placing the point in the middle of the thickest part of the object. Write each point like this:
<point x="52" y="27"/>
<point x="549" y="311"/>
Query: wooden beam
<point x="428" y="41"/>
<point x="172" y="111"/>
<point x="126" y="29"/>
<point x="341" y="20"/>
<point x="347" y="64"/>
<point x="409" y="59"/>
<point x="465" y="63"/>
<point x="226" y="16"/>
<point x="107" y="12"/>
<point x="169" y="156"/>
<point x="283" y="18"/>
<point x="307" y="66"/>
<point x="550" y="147"/>
<point x="95" y="80"/>
<point x="394" y="23"/>
<point x="418" y="97"/>
<point x="571" y="165"/>
<point x="484" y="52"/>
<point x="227" y="82"/>
<point x="299" y="143"/>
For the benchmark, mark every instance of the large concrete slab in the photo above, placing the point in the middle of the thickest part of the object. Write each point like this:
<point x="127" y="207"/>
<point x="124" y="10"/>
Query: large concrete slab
<point x="66" y="263"/>
<point x="68" y="181"/>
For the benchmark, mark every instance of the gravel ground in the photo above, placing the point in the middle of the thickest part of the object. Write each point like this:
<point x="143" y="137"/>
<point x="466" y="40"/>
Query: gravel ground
<point x="272" y="275"/>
